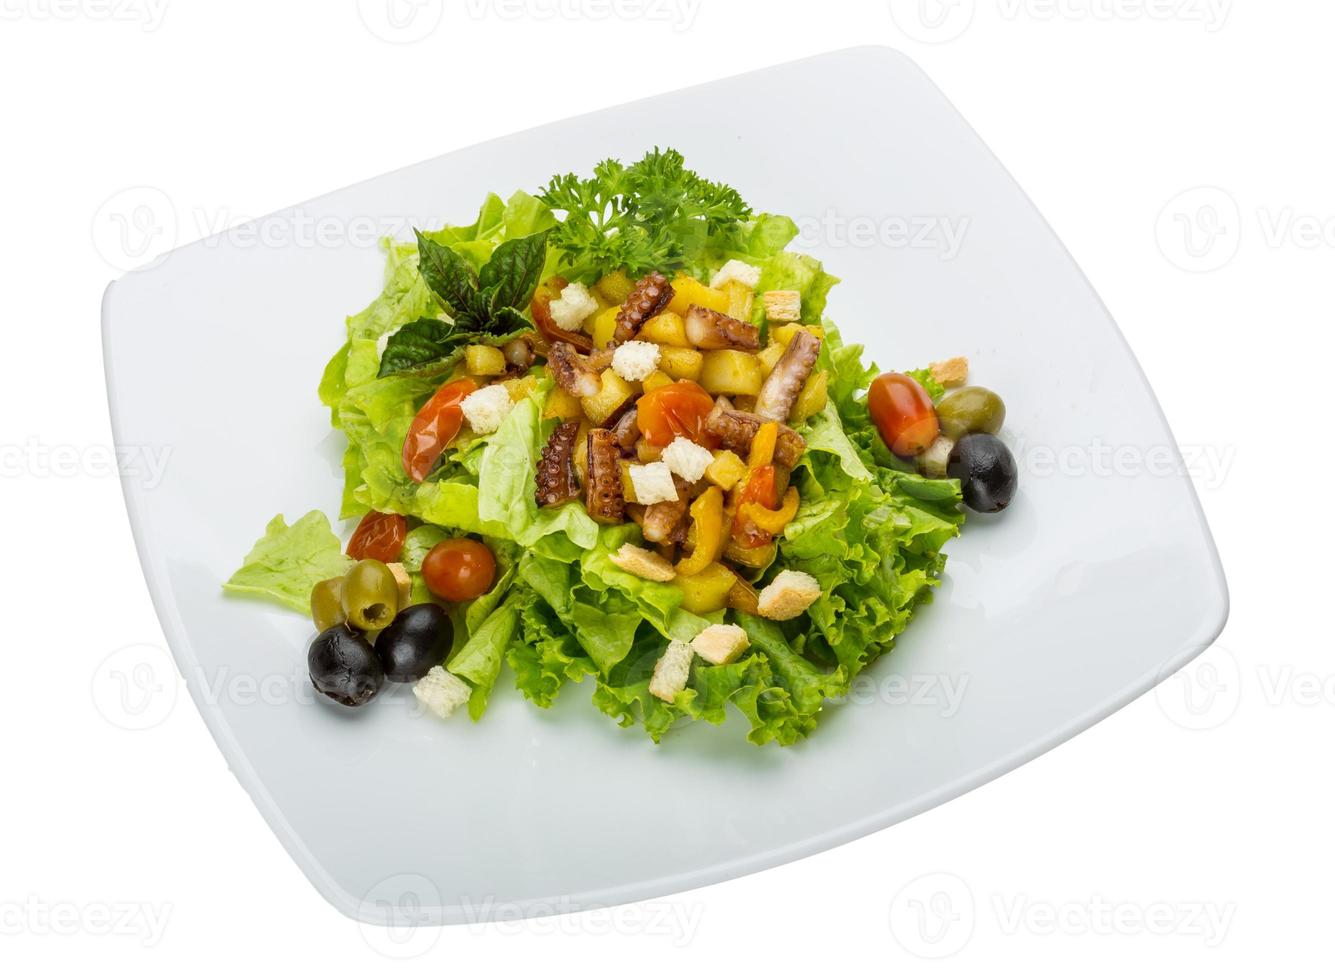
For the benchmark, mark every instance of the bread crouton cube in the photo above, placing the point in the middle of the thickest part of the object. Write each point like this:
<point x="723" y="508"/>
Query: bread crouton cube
<point x="789" y="595"/>
<point x="721" y="644"/>
<point x="783" y="305"/>
<point x="636" y="561"/>
<point x="950" y="373"/>
<point x="672" y="671"/>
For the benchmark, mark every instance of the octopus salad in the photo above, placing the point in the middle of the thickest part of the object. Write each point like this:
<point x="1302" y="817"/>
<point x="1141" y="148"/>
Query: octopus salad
<point x="605" y="435"/>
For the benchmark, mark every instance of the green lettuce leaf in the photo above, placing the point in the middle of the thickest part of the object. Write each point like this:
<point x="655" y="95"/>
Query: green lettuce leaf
<point x="288" y="562"/>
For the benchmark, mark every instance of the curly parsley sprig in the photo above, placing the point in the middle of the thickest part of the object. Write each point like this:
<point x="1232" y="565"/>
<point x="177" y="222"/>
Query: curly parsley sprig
<point x="654" y="214"/>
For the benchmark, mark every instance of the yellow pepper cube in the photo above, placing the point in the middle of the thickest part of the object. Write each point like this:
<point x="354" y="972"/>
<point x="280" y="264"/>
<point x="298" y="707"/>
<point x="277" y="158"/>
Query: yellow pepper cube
<point x="730" y="372"/>
<point x="616" y="391"/>
<point x="770" y="357"/>
<point x="785" y="334"/>
<point x="726" y="471"/>
<point x="667" y="328"/>
<point x="681" y="364"/>
<point x="688" y="292"/>
<point x="812" y="399"/>
<point x="655" y="381"/>
<point x="604" y="325"/>
<point x="562" y="405"/>
<point x="484" y="361"/>
<point x="741" y="298"/>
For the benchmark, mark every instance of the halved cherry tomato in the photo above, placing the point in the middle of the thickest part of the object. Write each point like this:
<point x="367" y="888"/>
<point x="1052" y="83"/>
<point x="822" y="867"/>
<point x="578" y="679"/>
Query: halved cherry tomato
<point x="459" y="569"/>
<point x="678" y="409"/>
<point x="542" y="316"/>
<point x="379" y="536"/>
<point x="762" y="488"/>
<point x="439" y="421"/>
<point x="903" y="412"/>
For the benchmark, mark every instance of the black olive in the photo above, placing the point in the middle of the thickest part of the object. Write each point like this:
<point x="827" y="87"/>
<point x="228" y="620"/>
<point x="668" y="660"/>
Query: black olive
<point x="417" y="640"/>
<point x="344" y="666"/>
<point x="986" y="471"/>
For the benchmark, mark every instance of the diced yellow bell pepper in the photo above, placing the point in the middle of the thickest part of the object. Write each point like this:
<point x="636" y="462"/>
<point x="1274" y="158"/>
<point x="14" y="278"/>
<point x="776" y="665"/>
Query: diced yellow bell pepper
<point x="562" y="405"/>
<point x="655" y="381"/>
<point x="773" y="521"/>
<point x="484" y="361"/>
<point x="785" y="334"/>
<point x="707" y="517"/>
<point x="616" y="391"/>
<point x="707" y="591"/>
<point x="762" y="446"/>
<point x="730" y="372"/>
<point x="726" y="471"/>
<point x="614" y="287"/>
<point x="666" y="328"/>
<point x="688" y="292"/>
<point x="680" y="363"/>
<point x="813" y="398"/>
<point x="604" y="326"/>
<point x="741" y="298"/>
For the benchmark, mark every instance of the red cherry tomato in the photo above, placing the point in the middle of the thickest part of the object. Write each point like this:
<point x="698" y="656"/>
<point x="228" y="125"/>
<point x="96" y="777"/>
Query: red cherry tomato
<point x="761" y="488"/>
<point x="379" y="536"/>
<point x="459" y="569"/>
<point x="903" y="412"/>
<point x="439" y="421"/>
<point x="678" y="409"/>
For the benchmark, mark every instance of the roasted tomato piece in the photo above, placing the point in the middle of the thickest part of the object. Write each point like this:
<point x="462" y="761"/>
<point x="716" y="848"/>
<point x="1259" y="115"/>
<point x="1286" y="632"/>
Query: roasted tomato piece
<point x="678" y="409"/>
<point x="379" y="536"/>
<point x="438" y="422"/>
<point x="541" y="308"/>
<point x="903" y="412"/>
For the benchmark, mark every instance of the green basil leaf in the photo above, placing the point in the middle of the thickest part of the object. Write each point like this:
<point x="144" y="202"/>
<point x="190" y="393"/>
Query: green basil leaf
<point x="446" y="271"/>
<point x="421" y="344"/>
<point x="507" y="320"/>
<point x="511" y="274"/>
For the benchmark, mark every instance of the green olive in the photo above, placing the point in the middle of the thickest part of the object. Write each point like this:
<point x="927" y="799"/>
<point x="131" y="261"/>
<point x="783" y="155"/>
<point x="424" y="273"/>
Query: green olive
<point x="370" y="595"/>
<point x="971" y="409"/>
<point x="327" y="604"/>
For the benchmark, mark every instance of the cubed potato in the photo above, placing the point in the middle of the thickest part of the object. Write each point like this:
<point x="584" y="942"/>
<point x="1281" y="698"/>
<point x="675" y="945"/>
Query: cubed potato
<point x="646" y="453"/>
<point x="731" y="372"/>
<point x="784" y="334"/>
<point x="681" y="364"/>
<point x="770" y="357"/>
<point x="726" y="471"/>
<point x="688" y="292"/>
<point x="484" y="361"/>
<point x="614" y="287"/>
<point x="707" y="591"/>
<point x="627" y="484"/>
<point x="562" y="405"/>
<point x="667" y="328"/>
<point x="815" y="394"/>
<point x="520" y="388"/>
<point x="616" y="391"/>
<point x="656" y="380"/>
<point x="604" y="325"/>
<point x="741" y="297"/>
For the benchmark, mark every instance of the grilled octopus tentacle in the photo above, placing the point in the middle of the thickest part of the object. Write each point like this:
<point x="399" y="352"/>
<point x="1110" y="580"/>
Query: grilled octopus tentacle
<point x="603" y="496"/>
<point x="557" y="479"/>
<point x="785" y="382"/>
<point x="627" y="430"/>
<point x="647" y="298"/>
<point x="712" y="330"/>
<point x="666" y="521"/>
<point x="574" y="372"/>
<point x="737" y="429"/>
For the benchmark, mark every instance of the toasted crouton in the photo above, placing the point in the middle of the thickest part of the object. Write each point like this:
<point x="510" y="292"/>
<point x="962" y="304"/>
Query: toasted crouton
<point x="950" y="373"/>
<point x="789" y="595"/>
<point x="643" y="564"/>
<point x="672" y="671"/>
<point x="721" y="644"/>
<point x="783" y="306"/>
<point x="404" y="581"/>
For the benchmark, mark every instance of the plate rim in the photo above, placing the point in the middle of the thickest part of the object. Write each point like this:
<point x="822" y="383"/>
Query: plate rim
<point x="359" y="909"/>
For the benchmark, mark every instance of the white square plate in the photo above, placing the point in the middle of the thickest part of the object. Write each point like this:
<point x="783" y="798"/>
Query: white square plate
<point x="1100" y="580"/>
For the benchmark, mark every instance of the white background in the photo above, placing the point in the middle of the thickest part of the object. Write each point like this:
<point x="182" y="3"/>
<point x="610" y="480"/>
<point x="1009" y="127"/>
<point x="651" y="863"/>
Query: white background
<point x="1191" y="830"/>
